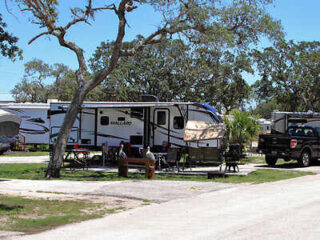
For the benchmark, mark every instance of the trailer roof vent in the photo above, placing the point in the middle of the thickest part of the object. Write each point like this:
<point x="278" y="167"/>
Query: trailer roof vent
<point x="149" y="98"/>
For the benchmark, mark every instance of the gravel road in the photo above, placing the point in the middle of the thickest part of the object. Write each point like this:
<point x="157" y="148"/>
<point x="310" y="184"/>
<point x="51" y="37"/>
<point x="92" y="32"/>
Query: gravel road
<point x="287" y="209"/>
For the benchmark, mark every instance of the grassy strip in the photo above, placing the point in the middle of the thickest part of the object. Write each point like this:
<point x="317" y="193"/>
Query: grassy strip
<point x="23" y="171"/>
<point x="253" y="160"/>
<point x="25" y="154"/>
<point x="36" y="172"/>
<point x="261" y="160"/>
<point x="33" y="215"/>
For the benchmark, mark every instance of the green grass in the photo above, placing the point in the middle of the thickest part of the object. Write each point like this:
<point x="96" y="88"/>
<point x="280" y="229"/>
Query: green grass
<point x="34" y="215"/>
<point x="253" y="159"/>
<point x="36" y="172"/>
<point x="261" y="160"/>
<point x="22" y="171"/>
<point x="25" y="154"/>
<point x="263" y="175"/>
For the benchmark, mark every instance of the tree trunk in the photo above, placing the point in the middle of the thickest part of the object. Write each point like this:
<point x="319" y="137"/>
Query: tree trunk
<point x="53" y="170"/>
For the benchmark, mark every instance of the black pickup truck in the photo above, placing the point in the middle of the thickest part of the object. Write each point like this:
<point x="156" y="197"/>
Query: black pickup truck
<point x="301" y="143"/>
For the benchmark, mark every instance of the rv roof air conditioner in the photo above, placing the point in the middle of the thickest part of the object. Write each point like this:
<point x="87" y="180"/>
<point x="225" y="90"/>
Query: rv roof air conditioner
<point x="149" y="98"/>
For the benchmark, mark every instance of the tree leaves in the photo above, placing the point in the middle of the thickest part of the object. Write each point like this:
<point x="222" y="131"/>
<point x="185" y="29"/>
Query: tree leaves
<point x="242" y="127"/>
<point x="8" y="43"/>
<point x="290" y="73"/>
<point x="36" y="87"/>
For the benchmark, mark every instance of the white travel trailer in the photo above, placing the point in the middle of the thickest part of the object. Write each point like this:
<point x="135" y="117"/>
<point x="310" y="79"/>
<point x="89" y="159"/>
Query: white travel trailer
<point x="280" y="121"/>
<point x="34" y="125"/>
<point x="139" y="123"/>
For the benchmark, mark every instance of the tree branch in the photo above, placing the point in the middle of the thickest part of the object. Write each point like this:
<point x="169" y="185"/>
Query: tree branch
<point x="122" y="8"/>
<point x="89" y="13"/>
<point x="39" y="35"/>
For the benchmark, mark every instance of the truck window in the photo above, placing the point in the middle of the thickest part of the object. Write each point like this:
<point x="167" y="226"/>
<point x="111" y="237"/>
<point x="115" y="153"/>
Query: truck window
<point x="300" y="131"/>
<point x="308" y="132"/>
<point x="296" y="131"/>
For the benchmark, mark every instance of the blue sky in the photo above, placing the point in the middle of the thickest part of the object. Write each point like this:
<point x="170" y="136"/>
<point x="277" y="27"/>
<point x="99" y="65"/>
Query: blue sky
<point x="300" y="19"/>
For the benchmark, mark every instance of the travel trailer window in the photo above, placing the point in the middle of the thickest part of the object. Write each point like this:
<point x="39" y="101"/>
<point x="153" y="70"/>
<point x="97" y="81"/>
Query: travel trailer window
<point x="161" y="116"/>
<point x="136" y="113"/>
<point x="104" y="120"/>
<point x="178" y="123"/>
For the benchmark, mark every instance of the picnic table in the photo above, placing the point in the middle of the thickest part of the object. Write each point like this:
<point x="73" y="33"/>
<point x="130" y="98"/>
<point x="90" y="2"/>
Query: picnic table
<point x="125" y="163"/>
<point x="77" y="157"/>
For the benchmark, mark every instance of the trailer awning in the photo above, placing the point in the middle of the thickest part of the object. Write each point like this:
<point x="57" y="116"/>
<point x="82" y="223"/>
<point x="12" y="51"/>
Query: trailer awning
<point x="9" y="124"/>
<point x="199" y="131"/>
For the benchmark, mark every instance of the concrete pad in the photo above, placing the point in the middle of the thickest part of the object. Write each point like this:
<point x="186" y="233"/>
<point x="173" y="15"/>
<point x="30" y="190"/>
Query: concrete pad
<point x="160" y="191"/>
<point x="156" y="191"/>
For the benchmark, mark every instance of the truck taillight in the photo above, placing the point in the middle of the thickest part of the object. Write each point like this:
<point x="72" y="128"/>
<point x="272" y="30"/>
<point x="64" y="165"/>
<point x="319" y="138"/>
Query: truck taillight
<point x="293" y="143"/>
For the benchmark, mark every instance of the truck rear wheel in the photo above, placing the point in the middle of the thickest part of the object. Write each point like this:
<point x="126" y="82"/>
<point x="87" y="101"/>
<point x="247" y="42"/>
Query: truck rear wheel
<point x="305" y="159"/>
<point x="271" y="161"/>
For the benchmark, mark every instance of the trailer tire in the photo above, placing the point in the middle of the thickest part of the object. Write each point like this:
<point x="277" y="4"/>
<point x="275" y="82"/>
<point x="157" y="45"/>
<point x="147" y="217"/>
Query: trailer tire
<point x="271" y="161"/>
<point x="305" y="159"/>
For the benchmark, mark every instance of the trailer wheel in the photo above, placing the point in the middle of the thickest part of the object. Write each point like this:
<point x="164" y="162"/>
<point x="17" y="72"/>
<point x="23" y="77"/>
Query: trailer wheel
<point x="305" y="159"/>
<point x="271" y="161"/>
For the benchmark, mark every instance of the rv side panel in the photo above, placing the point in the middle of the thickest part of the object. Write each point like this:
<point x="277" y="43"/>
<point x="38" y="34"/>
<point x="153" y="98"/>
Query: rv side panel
<point x="57" y="114"/>
<point x="116" y="125"/>
<point x="34" y="121"/>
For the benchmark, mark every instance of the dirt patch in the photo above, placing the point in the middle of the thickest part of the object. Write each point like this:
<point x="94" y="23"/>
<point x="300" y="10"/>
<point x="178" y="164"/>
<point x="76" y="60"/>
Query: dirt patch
<point x="108" y="202"/>
<point x="103" y="206"/>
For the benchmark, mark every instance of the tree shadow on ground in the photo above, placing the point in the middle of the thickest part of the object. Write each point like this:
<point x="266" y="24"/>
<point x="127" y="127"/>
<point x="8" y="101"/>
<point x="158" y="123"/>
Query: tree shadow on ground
<point x="9" y="208"/>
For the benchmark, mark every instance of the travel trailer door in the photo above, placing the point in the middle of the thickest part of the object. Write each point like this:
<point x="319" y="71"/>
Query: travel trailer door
<point x="161" y="126"/>
<point x="87" y="127"/>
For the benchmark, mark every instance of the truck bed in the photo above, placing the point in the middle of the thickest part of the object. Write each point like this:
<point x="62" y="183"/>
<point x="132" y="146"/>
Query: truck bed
<point x="274" y="144"/>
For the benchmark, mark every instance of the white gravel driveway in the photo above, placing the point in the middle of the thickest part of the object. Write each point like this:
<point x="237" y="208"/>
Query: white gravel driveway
<point x="287" y="209"/>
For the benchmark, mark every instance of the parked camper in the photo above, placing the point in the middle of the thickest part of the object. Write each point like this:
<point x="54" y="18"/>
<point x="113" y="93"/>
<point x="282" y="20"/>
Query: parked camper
<point x="9" y="128"/>
<point x="34" y="120"/>
<point x="140" y="124"/>
<point x="282" y="120"/>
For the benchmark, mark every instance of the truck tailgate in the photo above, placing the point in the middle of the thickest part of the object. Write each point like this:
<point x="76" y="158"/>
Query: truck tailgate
<point x="274" y="142"/>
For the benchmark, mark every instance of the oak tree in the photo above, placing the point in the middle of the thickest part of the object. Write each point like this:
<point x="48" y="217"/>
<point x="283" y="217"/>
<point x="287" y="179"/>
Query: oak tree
<point x="289" y="73"/>
<point x="235" y="22"/>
